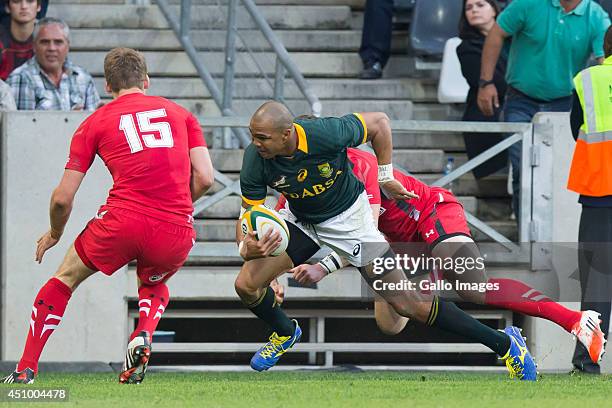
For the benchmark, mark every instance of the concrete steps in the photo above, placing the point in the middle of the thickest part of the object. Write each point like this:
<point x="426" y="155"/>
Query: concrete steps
<point x="451" y="142"/>
<point x="417" y="161"/>
<point x="253" y="88"/>
<point x="202" y="17"/>
<point x="146" y="39"/>
<point x="491" y="187"/>
<point x="397" y="109"/>
<point x="487" y="209"/>
<point x="312" y="64"/>
<point x="229" y="208"/>
<point x="359" y="4"/>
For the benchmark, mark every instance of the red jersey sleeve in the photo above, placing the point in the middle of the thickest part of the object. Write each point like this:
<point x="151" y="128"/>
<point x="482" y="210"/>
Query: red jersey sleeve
<point x="194" y="132"/>
<point x="83" y="147"/>
<point x="365" y="167"/>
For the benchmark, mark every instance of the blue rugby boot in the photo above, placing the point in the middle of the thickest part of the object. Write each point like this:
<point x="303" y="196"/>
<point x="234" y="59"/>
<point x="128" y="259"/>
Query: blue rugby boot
<point x="268" y="355"/>
<point x="518" y="360"/>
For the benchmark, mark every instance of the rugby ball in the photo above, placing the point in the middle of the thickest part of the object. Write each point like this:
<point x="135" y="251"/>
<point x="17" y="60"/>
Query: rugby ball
<point x="260" y="219"/>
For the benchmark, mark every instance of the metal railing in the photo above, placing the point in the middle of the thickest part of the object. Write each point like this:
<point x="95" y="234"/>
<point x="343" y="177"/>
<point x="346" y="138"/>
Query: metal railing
<point x="223" y="99"/>
<point x="511" y="252"/>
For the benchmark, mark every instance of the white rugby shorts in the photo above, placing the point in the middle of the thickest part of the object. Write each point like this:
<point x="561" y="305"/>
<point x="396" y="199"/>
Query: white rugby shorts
<point x="352" y="233"/>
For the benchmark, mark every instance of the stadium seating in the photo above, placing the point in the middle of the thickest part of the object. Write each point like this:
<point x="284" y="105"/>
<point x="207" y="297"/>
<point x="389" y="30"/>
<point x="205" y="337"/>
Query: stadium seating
<point x="433" y="22"/>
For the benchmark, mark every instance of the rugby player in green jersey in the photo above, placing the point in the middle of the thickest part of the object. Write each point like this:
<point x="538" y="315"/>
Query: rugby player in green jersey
<point x="306" y="161"/>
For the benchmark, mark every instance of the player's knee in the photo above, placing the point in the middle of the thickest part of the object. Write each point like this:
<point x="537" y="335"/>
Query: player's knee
<point x="243" y="289"/>
<point x="402" y="308"/>
<point x="472" y="296"/>
<point x="418" y="310"/>
<point x="391" y="328"/>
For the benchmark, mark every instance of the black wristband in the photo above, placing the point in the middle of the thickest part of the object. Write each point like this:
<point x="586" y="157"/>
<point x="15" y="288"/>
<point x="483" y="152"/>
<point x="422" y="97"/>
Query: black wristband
<point x="483" y="83"/>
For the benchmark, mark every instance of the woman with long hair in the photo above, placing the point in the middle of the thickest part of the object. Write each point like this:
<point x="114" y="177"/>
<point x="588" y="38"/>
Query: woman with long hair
<point x="477" y="18"/>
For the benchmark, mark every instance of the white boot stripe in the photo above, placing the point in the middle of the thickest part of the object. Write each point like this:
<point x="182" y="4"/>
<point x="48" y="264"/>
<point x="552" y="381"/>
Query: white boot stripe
<point x="538" y="298"/>
<point x="528" y="293"/>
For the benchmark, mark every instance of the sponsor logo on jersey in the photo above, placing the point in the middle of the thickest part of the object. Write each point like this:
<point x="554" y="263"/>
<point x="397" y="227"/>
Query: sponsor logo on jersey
<point x="157" y="278"/>
<point x="429" y="233"/>
<point x="325" y="170"/>
<point x="382" y="210"/>
<point x="281" y="182"/>
<point x="314" y="190"/>
<point x="356" y="249"/>
<point x="414" y="214"/>
<point x="302" y="174"/>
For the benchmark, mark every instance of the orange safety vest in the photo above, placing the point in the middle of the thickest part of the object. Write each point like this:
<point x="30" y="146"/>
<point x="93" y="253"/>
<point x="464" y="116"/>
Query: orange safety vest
<point x="591" y="170"/>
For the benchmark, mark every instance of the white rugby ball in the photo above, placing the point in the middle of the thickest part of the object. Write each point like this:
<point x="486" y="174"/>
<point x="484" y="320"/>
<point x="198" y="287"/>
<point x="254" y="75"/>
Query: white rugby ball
<point x="260" y="219"/>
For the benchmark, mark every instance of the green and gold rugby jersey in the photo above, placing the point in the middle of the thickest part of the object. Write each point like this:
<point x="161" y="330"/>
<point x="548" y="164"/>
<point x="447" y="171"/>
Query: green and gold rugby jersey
<point x="317" y="180"/>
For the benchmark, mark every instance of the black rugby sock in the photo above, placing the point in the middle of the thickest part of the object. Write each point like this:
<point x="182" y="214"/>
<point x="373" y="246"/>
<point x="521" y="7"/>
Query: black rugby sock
<point x="270" y="312"/>
<point x="447" y="316"/>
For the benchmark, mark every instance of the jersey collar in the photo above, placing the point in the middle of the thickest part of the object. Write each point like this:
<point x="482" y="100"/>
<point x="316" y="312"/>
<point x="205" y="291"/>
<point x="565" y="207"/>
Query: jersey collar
<point x="579" y="10"/>
<point x="301" y="134"/>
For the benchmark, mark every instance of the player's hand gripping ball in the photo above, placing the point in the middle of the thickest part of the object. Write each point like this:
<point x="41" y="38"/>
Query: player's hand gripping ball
<point x="260" y="219"/>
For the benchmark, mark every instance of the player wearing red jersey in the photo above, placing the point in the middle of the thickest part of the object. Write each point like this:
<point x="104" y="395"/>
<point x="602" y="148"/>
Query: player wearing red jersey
<point x="438" y="217"/>
<point x="157" y="156"/>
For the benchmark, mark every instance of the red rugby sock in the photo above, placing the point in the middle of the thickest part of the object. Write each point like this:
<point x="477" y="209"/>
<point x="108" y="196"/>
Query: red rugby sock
<point x="152" y="302"/>
<point x="47" y="312"/>
<point x="515" y="295"/>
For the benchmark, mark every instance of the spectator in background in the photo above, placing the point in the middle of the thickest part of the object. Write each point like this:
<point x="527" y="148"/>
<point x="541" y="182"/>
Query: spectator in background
<point x="16" y="38"/>
<point x="551" y="41"/>
<point x="591" y="177"/>
<point x="5" y="18"/>
<point x="7" y="102"/>
<point x="477" y="19"/>
<point x="49" y="81"/>
<point x="376" y="37"/>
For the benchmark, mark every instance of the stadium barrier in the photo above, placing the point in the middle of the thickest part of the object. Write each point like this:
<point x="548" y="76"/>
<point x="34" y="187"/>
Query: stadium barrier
<point x="34" y="150"/>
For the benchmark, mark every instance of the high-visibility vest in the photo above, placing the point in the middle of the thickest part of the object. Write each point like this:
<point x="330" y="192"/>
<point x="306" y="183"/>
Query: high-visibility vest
<point x="591" y="170"/>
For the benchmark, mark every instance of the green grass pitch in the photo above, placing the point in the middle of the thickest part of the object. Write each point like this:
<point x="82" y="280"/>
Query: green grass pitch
<point x="328" y="389"/>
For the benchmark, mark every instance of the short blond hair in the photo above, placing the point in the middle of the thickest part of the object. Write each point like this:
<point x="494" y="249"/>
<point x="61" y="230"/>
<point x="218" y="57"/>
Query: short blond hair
<point x="125" y="68"/>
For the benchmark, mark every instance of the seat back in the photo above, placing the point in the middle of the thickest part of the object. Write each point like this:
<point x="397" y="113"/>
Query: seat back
<point x="452" y="88"/>
<point x="434" y="22"/>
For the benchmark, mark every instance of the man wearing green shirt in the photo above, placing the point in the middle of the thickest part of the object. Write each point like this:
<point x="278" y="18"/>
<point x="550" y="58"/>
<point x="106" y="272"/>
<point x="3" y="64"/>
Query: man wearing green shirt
<point x="551" y="42"/>
<point x="306" y="161"/>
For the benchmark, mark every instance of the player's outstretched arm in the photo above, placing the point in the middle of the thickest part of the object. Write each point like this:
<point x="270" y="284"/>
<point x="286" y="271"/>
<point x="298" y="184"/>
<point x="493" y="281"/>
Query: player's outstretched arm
<point x="202" y="172"/>
<point x="59" y="211"/>
<point x="379" y="134"/>
<point x="378" y="127"/>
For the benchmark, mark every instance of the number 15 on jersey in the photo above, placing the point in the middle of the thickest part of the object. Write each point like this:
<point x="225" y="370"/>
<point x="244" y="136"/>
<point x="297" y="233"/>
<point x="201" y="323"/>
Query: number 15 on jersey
<point x="137" y="135"/>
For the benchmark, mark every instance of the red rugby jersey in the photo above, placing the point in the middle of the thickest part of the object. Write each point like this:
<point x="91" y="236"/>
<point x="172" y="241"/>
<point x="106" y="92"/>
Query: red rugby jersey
<point x="144" y="142"/>
<point x="398" y="220"/>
